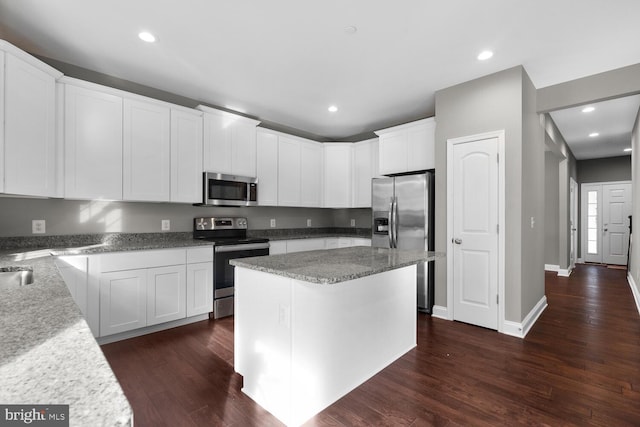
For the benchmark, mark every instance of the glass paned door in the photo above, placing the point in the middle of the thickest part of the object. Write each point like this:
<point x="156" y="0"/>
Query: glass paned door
<point x="591" y="207"/>
<point x="592" y="223"/>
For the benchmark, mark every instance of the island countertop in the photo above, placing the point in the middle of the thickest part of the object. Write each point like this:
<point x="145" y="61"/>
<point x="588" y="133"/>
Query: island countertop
<point x="335" y="265"/>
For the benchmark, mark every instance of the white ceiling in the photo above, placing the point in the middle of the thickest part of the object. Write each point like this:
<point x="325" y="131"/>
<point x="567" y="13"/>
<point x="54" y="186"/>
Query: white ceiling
<point x="613" y="120"/>
<point x="286" y="61"/>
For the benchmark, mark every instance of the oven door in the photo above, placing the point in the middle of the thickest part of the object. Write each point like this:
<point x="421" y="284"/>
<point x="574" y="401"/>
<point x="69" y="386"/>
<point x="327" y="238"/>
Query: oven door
<point x="223" y="271"/>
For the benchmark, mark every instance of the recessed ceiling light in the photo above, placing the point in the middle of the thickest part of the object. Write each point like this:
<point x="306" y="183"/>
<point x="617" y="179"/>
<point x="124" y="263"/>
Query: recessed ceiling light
<point x="147" y="37"/>
<point x="484" y="55"/>
<point x="332" y="109"/>
<point x="588" y="109"/>
<point x="627" y="150"/>
<point x="351" y="29"/>
<point x="593" y="134"/>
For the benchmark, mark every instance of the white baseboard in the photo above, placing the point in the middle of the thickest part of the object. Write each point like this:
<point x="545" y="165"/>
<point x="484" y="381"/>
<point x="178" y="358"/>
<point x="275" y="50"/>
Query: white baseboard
<point x="634" y="289"/>
<point x="564" y="272"/>
<point x="580" y="261"/>
<point x="440" y="312"/>
<point x="521" y="330"/>
<point x="150" y="329"/>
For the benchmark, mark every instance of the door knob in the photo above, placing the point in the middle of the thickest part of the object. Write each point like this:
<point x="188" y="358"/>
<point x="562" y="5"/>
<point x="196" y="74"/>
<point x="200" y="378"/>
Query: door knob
<point x="457" y="241"/>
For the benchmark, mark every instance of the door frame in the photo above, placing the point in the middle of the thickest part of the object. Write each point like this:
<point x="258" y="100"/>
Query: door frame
<point x="574" y="208"/>
<point x="583" y="215"/>
<point x="499" y="134"/>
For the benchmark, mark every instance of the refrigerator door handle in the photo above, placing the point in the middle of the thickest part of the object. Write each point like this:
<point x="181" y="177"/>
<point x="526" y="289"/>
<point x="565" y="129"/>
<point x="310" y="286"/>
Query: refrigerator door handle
<point x="394" y="225"/>
<point x="390" y="228"/>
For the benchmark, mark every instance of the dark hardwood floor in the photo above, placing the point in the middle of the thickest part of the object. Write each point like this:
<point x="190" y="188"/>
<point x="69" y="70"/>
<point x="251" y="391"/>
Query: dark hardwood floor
<point x="579" y="365"/>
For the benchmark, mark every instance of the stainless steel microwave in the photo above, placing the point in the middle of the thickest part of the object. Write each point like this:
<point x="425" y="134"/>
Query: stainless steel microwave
<point x="229" y="190"/>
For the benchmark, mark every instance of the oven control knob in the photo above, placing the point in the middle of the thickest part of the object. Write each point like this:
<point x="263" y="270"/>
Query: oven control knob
<point x="242" y="222"/>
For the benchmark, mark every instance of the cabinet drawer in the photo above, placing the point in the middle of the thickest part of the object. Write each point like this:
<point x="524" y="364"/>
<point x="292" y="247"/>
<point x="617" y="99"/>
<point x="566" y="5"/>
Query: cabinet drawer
<point x="202" y="254"/>
<point x="142" y="259"/>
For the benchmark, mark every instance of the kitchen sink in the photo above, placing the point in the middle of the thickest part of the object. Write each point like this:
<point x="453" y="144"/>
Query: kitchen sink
<point x="13" y="277"/>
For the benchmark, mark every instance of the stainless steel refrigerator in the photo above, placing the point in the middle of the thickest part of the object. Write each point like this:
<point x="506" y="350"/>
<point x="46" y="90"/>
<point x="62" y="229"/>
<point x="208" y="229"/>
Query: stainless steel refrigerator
<point x="403" y="219"/>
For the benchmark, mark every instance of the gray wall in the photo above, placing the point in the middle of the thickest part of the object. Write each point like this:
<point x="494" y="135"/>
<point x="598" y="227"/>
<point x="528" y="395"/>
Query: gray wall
<point x="86" y="217"/>
<point x="532" y="238"/>
<point x="567" y="168"/>
<point x="504" y="100"/>
<point x="551" y="208"/>
<point x="598" y="87"/>
<point x="604" y="170"/>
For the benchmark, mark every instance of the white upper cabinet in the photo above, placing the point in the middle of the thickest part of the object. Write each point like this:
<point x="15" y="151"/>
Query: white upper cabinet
<point x="146" y="156"/>
<point x="338" y="166"/>
<point x="267" y="167"/>
<point x="28" y="146"/>
<point x="289" y="172"/>
<point x="186" y="156"/>
<point x="122" y="146"/>
<point x="229" y="143"/>
<point x="311" y="160"/>
<point x="92" y="142"/>
<point x="365" y="166"/>
<point x="407" y="148"/>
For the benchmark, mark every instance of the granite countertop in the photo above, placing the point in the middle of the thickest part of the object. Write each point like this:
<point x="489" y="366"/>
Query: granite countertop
<point x="335" y="265"/>
<point x="48" y="354"/>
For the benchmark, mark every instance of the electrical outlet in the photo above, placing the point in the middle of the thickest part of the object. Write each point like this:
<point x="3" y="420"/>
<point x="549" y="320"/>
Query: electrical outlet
<point x="533" y="222"/>
<point x="353" y="222"/>
<point x="272" y="223"/>
<point x="309" y="222"/>
<point x="166" y="225"/>
<point x="38" y="226"/>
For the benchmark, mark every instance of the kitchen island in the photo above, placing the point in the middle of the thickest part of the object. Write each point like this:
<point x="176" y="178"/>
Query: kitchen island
<point x="312" y="326"/>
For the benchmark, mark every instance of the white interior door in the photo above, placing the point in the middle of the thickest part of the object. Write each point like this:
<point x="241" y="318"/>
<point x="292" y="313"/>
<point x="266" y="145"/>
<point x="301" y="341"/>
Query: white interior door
<point x="615" y="222"/>
<point x="475" y="232"/>
<point x="605" y="217"/>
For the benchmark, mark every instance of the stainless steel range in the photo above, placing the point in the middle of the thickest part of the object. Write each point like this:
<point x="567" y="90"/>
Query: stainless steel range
<point x="229" y="238"/>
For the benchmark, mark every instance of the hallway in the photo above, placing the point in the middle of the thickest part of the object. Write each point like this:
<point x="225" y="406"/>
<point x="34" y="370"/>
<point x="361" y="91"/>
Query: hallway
<point x="579" y="365"/>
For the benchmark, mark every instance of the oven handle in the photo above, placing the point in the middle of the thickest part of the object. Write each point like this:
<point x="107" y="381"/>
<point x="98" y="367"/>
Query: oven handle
<point x="241" y="247"/>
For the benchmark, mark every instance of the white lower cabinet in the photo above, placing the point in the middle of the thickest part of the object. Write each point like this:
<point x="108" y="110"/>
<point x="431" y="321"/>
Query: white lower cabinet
<point x="199" y="288"/>
<point x="277" y="247"/>
<point x="123" y="301"/>
<point x="146" y="288"/>
<point x="166" y="294"/>
<point x="300" y="245"/>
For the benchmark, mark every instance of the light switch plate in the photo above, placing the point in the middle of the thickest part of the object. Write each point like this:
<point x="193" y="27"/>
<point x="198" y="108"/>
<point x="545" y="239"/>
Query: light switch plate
<point x="38" y="226"/>
<point x="353" y="222"/>
<point x="166" y="225"/>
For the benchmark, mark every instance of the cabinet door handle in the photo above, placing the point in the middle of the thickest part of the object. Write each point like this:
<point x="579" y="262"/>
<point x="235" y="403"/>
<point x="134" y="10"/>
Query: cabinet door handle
<point x="457" y="241"/>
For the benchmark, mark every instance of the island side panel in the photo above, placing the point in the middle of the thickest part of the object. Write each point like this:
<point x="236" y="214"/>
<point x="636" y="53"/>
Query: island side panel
<point x="262" y="338"/>
<point x="344" y="333"/>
